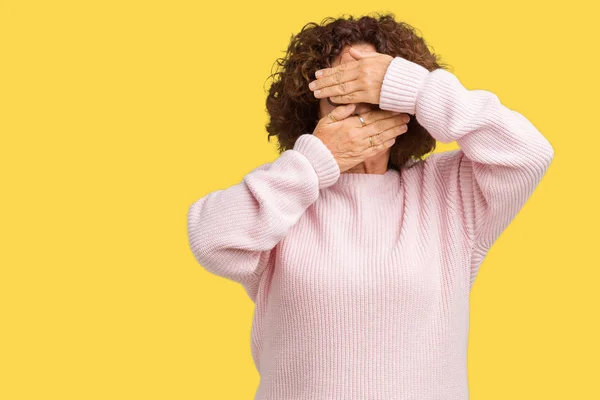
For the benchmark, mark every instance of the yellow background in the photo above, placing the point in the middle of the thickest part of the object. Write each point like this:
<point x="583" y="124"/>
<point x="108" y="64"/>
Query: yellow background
<point x="115" y="116"/>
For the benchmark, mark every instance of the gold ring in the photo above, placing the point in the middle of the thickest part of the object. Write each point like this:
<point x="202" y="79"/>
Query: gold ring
<point x="331" y="117"/>
<point x="371" y="141"/>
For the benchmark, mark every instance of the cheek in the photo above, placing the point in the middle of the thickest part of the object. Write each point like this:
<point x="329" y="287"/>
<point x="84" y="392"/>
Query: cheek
<point x="324" y="108"/>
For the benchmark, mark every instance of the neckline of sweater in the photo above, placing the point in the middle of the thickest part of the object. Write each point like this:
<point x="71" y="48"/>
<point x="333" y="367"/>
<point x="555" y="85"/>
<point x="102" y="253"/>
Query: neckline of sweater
<point x="388" y="180"/>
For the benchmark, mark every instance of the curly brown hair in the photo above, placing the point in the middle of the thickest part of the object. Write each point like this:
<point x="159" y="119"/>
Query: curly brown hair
<point x="291" y="105"/>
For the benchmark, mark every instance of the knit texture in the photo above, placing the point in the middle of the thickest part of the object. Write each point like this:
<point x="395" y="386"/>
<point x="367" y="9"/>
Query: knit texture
<point x="361" y="282"/>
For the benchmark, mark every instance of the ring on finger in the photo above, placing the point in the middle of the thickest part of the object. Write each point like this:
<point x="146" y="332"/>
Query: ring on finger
<point x="371" y="142"/>
<point x="362" y="121"/>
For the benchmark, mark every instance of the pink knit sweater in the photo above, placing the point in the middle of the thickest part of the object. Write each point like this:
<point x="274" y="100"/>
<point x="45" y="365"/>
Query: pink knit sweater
<point x="361" y="281"/>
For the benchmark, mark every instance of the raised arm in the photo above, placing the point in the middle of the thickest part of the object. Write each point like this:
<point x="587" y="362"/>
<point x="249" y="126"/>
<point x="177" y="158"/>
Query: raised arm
<point x="232" y="231"/>
<point x="502" y="156"/>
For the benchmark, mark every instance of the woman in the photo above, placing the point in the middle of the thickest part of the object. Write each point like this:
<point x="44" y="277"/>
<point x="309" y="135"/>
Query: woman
<point x="358" y="253"/>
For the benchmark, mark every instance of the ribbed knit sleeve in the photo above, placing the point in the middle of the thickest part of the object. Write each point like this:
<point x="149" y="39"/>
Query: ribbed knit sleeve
<point x="232" y="231"/>
<point x="502" y="156"/>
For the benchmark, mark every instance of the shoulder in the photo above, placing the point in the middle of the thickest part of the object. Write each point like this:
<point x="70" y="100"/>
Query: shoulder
<point x="442" y="166"/>
<point x="437" y="173"/>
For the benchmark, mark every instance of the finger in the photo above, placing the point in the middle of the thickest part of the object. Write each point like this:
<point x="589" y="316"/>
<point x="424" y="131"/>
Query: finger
<point x="392" y="132"/>
<point x="375" y="115"/>
<point x="383" y="130"/>
<point x="357" y="54"/>
<point x="386" y="128"/>
<point x="339" y="113"/>
<point x="383" y="140"/>
<point x="345" y="93"/>
<point x="379" y="144"/>
<point x="333" y="79"/>
<point x="328" y="71"/>
<point x="356" y="96"/>
<point x="343" y="90"/>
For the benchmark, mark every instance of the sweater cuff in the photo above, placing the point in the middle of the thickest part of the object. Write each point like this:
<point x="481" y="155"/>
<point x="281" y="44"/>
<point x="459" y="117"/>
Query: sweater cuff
<point x="401" y="84"/>
<point x="321" y="158"/>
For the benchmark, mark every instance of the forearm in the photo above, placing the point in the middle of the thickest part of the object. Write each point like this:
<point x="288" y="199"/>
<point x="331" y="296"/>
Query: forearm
<point x="230" y="230"/>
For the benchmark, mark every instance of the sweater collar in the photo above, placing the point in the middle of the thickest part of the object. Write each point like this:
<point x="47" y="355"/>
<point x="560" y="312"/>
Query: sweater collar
<point x="376" y="182"/>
